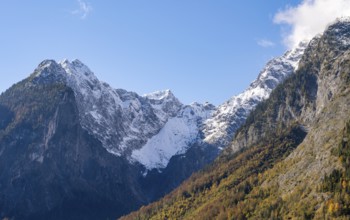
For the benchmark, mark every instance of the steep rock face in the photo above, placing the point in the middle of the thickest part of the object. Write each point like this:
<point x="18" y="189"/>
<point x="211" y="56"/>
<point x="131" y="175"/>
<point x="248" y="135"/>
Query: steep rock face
<point x="221" y="127"/>
<point x="325" y="115"/>
<point x="50" y="167"/>
<point x="164" y="102"/>
<point x="291" y="157"/>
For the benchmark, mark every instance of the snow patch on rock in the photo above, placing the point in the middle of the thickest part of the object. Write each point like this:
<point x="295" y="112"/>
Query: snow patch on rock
<point x="174" y="138"/>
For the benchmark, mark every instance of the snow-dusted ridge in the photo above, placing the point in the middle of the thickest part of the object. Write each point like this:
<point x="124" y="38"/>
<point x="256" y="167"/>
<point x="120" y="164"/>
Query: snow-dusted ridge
<point x="148" y="129"/>
<point x="219" y="129"/>
<point x="152" y="128"/>
<point x="159" y="95"/>
<point x="217" y="124"/>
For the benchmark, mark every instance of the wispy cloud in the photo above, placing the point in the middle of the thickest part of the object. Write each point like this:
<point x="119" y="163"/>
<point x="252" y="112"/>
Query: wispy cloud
<point x="310" y="18"/>
<point x="84" y="9"/>
<point x="265" y="43"/>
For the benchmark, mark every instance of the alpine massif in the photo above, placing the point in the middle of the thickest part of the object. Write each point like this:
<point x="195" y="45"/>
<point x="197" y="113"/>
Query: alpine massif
<point x="73" y="147"/>
<point x="290" y="159"/>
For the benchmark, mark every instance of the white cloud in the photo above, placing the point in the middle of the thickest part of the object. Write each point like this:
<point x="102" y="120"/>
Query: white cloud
<point x="84" y="9"/>
<point x="265" y="43"/>
<point x="310" y="18"/>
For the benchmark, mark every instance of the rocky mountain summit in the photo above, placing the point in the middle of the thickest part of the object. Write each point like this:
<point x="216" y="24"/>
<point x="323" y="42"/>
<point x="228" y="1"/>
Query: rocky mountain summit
<point x="121" y="120"/>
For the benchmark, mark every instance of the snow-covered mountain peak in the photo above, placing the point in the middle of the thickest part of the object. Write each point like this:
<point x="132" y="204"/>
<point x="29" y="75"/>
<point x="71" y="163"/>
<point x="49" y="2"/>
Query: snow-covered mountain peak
<point x="219" y="129"/>
<point x="165" y="103"/>
<point x="79" y="69"/>
<point x="338" y="32"/>
<point x="48" y="71"/>
<point x="160" y="95"/>
<point x="46" y="66"/>
<point x="65" y="71"/>
<point x="338" y="24"/>
<point x="46" y="63"/>
<point x="293" y="56"/>
<point x="277" y="69"/>
<point x="123" y="121"/>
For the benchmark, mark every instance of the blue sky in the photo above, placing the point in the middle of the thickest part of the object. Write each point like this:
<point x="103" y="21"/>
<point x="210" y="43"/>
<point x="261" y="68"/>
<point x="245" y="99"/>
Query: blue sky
<point x="203" y="50"/>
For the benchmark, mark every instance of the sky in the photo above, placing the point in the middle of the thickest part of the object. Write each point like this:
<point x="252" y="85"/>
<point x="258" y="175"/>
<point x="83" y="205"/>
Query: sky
<point x="202" y="50"/>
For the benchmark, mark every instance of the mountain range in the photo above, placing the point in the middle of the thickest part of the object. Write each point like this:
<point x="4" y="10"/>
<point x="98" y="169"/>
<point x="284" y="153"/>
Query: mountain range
<point x="73" y="147"/>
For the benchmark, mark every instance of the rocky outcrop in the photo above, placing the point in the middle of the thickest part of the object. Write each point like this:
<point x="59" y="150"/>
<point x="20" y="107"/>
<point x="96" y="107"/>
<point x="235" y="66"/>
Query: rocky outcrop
<point x="51" y="168"/>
